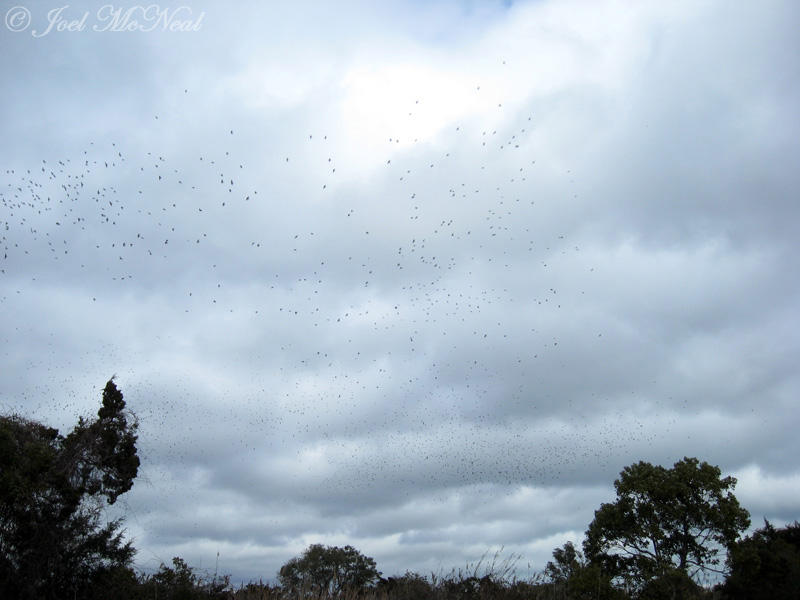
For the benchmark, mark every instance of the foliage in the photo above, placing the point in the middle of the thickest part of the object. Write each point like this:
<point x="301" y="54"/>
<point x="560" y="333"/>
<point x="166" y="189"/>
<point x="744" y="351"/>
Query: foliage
<point x="52" y="492"/>
<point x="329" y="569"/>
<point x="567" y="561"/>
<point x="258" y="591"/>
<point x="673" y="584"/>
<point x="570" y="572"/>
<point x="765" y="565"/>
<point x="665" y="520"/>
<point x="409" y="586"/>
<point x="181" y="582"/>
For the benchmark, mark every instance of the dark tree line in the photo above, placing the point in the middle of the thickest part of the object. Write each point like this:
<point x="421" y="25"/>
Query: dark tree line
<point x="765" y="565"/>
<point x="666" y="528"/>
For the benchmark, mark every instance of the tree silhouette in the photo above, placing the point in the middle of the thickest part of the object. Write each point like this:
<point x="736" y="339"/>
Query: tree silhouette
<point x="52" y="492"/>
<point x="665" y="520"/>
<point x="571" y="574"/>
<point x="765" y="565"/>
<point x="329" y="570"/>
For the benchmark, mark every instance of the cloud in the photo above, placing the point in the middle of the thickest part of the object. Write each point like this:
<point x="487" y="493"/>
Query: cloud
<point x="418" y="279"/>
<point x="768" y="495"/>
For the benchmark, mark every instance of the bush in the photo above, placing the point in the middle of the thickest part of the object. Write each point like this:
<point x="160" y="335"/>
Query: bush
<point x="765" y="565"/>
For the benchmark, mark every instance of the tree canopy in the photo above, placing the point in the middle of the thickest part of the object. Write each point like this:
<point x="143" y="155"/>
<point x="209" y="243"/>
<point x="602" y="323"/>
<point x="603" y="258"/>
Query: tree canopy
<point x="329" y="569"/>
<point x="52" y="491"/>
<point x="666" y="520"/>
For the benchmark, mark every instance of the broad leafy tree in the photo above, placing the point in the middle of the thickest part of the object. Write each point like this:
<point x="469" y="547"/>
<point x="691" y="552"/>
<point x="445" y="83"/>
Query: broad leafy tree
<point x="329" y="570"/>
<point x="53" y="488"/>
<point x="666" y="520"/>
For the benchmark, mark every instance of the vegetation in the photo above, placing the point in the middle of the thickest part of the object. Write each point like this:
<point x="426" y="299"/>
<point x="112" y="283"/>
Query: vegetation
<point x="179" y="582"/>
<point x="574" y="577"/>
<point x="665" y="527"/>
<point x="328" y="570"/>
<point x="666" y="524"/>
<point x="52" y="491"/>
<point x="765" y="565"/>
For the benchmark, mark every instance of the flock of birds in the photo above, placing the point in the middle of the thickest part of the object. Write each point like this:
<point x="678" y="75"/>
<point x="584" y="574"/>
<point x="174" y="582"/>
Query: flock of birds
<point x="417" y="302"/>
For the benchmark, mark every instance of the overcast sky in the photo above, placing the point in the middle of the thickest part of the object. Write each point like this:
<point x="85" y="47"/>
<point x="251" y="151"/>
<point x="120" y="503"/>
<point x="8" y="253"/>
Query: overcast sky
<point x="417" y="277"/>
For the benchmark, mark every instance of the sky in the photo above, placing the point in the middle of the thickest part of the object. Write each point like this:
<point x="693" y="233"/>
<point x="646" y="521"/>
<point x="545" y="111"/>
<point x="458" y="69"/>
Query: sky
<point x="417" y="277"/>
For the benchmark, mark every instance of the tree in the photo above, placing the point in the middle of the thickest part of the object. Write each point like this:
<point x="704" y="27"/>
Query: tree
<point x="329" y="570"/>
<point x="665" y="520"/>
<point x="571" y="573"/>
<point x="52" y="493"/>
<point x="567" y="561"/>
<point x="765" y="565"/>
